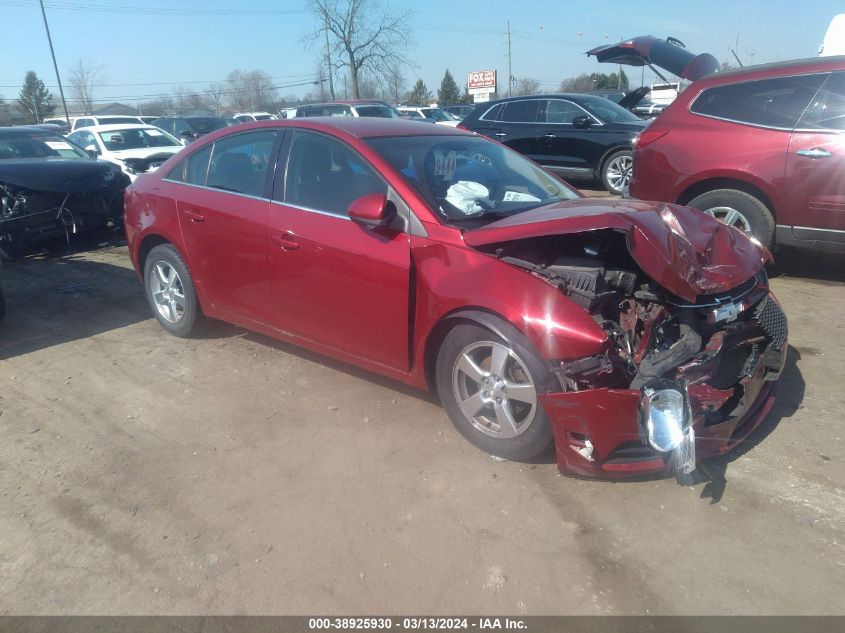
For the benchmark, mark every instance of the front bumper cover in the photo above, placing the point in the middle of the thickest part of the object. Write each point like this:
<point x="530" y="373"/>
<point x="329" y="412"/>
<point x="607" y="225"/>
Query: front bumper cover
<point x="597" y="432"/>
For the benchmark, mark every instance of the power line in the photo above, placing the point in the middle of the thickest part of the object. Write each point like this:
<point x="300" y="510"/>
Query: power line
<point x="90" y="7"/>
<point x="165" y="83"/>
<point x="174" y="95"/>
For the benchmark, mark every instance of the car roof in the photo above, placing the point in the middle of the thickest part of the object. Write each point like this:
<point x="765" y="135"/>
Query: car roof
<point x="360" y="127"/>
<point x="481" y="107"/>
<point x="31" y="129"/>
<point x="808" y="65"/>
<point x="117" y="126"/>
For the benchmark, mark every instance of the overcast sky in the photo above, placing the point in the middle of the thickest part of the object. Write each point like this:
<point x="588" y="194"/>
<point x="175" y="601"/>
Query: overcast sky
<point x="149" y="47"/>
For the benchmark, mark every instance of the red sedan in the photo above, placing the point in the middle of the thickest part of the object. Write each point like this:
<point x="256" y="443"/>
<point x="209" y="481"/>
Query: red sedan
<point x="634" y="336"/>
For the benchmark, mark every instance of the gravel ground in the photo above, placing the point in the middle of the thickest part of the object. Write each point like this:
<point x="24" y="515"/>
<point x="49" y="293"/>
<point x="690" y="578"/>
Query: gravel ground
<point x="233" y="474"/>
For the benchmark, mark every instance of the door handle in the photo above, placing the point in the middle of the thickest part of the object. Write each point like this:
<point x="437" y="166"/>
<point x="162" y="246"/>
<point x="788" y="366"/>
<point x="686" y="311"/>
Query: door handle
<point x="500" y="134"/>
<point x="193" y="216"/>
<point x="550" y="135"/>
<point x="816" y="152"/>
<point x="286" y="241"/>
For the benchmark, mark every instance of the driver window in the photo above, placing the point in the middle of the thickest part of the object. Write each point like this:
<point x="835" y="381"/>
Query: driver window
<point x="326" y="175"/>
<point x="560" y="111"/>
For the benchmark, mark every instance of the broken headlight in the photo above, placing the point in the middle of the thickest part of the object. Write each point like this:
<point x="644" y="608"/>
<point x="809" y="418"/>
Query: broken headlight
<point x="666" y="422"/>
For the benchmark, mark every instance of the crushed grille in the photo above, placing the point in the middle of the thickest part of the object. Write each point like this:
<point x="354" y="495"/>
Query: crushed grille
<point x="771" y="319"/>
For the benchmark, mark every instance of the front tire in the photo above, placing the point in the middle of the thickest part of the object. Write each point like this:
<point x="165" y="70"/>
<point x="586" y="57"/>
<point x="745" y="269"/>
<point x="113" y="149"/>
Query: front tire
<point x="738" y="209"/>
<point x="616" y="171"/>
<point x="489" y="387"/>
<point x="170" y="291"/>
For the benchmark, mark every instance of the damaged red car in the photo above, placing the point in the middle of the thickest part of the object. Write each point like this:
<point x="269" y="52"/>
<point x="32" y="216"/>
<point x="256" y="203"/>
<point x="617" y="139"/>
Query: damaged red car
<point x="636" y="337"/>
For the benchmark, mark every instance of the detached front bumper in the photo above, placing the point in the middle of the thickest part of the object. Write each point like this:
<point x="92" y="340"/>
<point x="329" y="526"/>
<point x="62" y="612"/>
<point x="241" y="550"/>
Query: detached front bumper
<point x="597" y="431"/>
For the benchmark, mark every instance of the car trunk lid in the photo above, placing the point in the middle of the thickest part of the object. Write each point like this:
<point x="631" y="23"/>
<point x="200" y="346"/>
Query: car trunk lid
<point x="669" y="54"/>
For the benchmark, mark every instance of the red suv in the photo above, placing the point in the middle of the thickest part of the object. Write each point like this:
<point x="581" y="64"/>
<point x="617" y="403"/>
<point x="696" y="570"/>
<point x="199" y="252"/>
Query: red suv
<point x="760" y="148"/>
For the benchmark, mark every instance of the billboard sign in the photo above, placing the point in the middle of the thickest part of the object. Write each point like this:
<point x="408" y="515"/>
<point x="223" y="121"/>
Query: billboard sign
<point x="481" y="82"/>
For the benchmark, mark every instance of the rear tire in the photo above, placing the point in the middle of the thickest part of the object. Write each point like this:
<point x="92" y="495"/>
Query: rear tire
<point x="488" y="387"/>
<point x="170" y="291"/>
<point x="739" y="209"/>
<point x="616" y="171"/>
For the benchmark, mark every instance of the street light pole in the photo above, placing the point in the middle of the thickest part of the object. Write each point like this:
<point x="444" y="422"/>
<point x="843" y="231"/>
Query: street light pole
<point x="55" y="65"/>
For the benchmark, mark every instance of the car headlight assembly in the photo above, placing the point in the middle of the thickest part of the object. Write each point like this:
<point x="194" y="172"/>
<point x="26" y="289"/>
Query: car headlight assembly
<point x="666" y="422"/>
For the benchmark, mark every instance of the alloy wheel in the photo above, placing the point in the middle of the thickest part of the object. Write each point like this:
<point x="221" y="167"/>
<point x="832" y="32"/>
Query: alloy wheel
<point x="494" y="389"/>
<point x="619" y="172"/>
<point x="168" y="291"/>
<point x="731" y="217"/>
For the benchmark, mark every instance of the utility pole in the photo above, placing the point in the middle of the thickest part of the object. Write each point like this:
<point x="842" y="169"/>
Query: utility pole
<point x="55" y="65"/>
<point x="510" y="72"/>
<point x="328" y="56"/>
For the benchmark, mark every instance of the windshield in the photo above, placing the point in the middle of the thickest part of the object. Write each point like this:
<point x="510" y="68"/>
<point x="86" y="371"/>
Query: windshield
<point x="435" y="113"/>
<point x="470" y="179"/>
<point x="606" y="110"/>
<point x="382" y="111"/>
<point x="204" y="125"/>
<point x="136" y="138"/>
<point x="263" y="117"/>
<point x="39" y="146"/>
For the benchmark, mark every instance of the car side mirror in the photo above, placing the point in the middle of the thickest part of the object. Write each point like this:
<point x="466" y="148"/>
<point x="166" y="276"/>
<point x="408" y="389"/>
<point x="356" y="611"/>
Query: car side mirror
<point x="582" y="122"/>
<point x="372" y="210"/>
<point x="93" y="151"/>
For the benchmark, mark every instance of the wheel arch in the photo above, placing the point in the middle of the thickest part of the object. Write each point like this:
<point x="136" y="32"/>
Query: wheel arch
<point x="487" y="319"/>
<point x="607" y="154"/>
<point x="738" y="184"/>
<point x="147" y="244"/>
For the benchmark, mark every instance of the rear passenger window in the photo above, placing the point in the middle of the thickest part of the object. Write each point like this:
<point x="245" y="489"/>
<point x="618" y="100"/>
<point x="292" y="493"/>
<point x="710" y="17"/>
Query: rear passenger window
<point x="198" y="167"/>
<point x="520" y="111"/>
<point x="326" y="175"/>
<point x="493" y="113"/>
<point x="776" y="103"/>
<point x="239" y="163"/>
<point x="828" y="110"/>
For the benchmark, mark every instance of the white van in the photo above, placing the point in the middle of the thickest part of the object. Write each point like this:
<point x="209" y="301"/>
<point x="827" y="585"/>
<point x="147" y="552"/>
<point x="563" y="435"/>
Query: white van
<point x="834" y="39"/>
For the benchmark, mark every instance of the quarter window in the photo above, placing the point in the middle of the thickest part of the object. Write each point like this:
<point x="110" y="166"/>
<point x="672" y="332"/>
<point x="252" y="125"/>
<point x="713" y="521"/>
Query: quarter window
<point x="776" y="103"/>
<point x="239" y="163"/>
<point x="326" y="175"/>
<point x="828" y="110"/>
<point x="493" y="113"/>
<point x="198" y="166"/>
<point x="525" y="111"/>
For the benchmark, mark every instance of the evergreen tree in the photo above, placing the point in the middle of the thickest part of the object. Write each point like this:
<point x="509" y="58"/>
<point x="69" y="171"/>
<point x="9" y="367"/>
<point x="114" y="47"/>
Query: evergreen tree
<point x="420" y="94"/>
<point x="5" y="113"/>
<point x="449" y="92"/>
<point x="35" y="99"/>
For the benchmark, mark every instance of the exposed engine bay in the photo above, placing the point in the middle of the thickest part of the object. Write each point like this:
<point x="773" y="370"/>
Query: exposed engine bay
<point x="708" y="349"/>
<point x="29" y="215"/>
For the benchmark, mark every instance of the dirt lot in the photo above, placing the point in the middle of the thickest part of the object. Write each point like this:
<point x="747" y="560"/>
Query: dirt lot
<point x="232" y="474"/>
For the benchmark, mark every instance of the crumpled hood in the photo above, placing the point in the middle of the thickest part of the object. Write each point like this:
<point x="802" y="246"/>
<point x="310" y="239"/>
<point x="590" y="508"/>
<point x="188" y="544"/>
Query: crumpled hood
<point x="145" y="152"/>
<point x="683" y="250"/>
<point x="61" y="175"/>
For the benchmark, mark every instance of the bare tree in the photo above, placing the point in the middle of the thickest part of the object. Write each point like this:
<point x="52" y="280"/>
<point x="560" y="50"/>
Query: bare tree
<point x="157" y="107"/>
<point x="82" y="80"/>
<point x="237" y="92"/>
<point x="216" y="94"/>
<point x="525" y="86"/>
<point x="395" y="87"/>
<point x="251" y="91"/>
<point x="365" y="37"/>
